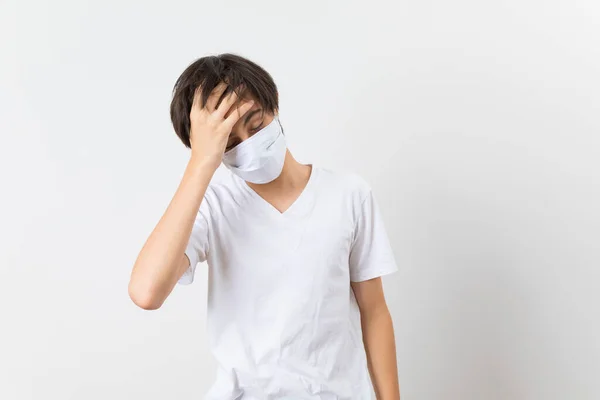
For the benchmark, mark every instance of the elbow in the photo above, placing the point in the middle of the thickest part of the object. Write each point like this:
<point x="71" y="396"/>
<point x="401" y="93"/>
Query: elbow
<point x="144" y="297"/>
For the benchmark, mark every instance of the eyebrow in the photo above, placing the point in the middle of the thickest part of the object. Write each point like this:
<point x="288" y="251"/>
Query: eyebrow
<point x="250" y="115"/>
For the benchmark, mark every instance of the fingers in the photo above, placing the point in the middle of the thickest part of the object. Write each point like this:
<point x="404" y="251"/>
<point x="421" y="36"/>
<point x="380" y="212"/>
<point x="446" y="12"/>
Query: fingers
<point x="197" y="98"/>
<point x="223" y="110"/>
<point x="238" y="113"/>
<point x="211" y="103"/>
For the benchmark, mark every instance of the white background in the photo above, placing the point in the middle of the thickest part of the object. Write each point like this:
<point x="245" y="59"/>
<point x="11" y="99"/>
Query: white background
<point x="476" y="123"/>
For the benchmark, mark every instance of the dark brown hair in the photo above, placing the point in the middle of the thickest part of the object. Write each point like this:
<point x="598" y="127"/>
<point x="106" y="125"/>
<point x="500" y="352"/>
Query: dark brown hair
<point x="208" y="72"/>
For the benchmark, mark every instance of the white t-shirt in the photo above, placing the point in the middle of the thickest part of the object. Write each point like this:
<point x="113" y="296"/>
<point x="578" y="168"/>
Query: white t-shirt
<point x="283" y="322"/>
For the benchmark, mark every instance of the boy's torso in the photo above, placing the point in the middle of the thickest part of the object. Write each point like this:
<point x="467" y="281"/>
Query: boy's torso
<point x="282" y="318"/>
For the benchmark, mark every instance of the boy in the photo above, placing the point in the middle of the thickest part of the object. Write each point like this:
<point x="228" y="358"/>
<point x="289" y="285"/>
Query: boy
<point x="296" y="308"/>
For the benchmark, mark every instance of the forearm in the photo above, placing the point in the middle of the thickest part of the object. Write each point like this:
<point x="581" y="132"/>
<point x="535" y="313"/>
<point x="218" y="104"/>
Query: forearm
<point x="380" y="346"/>
<point x="158" y="265"/>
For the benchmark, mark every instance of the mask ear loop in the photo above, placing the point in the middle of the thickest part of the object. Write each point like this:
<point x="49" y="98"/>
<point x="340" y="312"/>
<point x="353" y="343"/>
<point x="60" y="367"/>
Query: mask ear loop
<point x="281" y="126"/>
<point x="282" y="132"/>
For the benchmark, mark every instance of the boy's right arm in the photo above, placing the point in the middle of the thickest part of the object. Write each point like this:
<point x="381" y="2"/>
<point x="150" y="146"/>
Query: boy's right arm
<point x="162" y="260"/>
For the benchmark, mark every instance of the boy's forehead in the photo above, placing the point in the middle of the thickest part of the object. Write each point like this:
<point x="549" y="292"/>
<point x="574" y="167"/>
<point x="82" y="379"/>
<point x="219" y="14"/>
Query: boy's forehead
<point x="246" y="94"/>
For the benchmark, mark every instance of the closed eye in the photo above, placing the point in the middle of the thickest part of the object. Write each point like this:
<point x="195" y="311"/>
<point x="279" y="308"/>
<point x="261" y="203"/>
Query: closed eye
<point x="234" y="140"/>
<point x="257" y="128"/>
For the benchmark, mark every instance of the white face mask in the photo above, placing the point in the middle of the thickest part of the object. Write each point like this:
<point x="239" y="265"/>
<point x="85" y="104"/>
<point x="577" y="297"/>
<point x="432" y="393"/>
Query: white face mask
<point x="259" y="159"/>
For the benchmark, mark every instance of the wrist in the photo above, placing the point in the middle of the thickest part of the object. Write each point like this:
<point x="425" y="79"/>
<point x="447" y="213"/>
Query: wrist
<point x="202" y="167"/>
<point x="204" y="163"/>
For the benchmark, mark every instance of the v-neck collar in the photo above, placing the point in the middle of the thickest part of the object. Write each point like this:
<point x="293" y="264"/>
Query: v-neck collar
<point x="296" y="206"/>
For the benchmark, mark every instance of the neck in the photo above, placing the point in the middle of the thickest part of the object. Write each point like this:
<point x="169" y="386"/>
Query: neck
<point x="293" y="175"/>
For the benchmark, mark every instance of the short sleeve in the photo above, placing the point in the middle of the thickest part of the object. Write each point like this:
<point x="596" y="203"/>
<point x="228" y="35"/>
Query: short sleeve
<point x="197" y="247"/>
<point x="371" y="255"/>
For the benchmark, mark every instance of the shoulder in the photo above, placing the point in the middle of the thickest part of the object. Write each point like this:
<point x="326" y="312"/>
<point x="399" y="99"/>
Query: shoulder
<point x="223" y="184"/>
<point x="346" y="183"/>
<point x="224" y="190"/>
